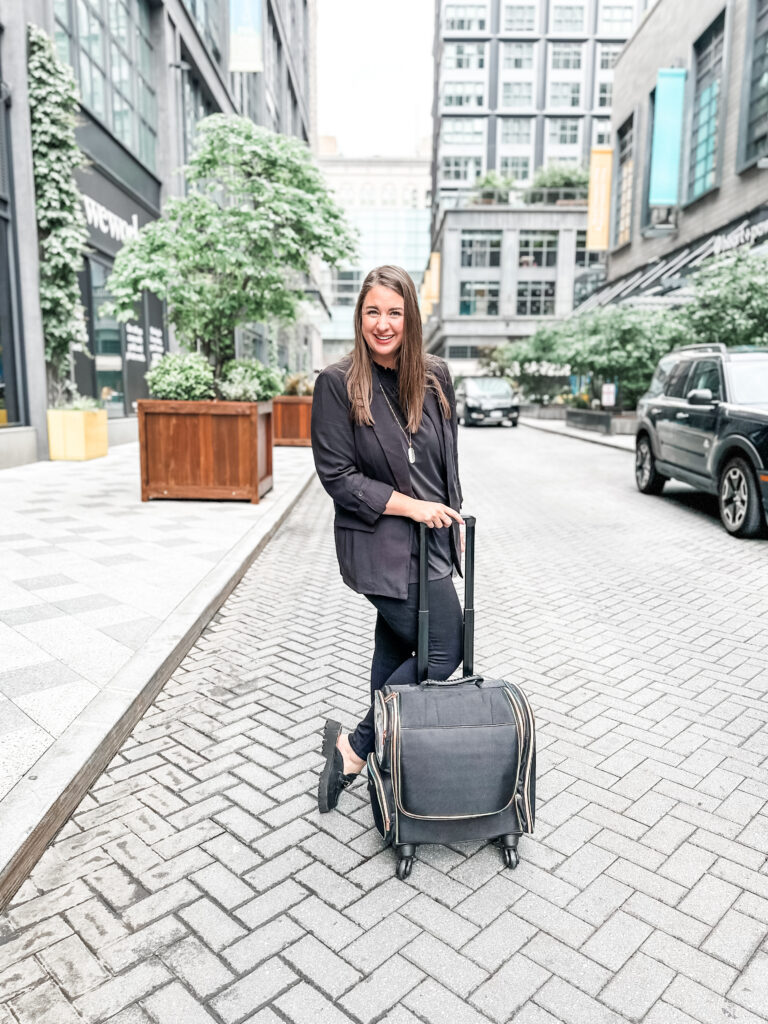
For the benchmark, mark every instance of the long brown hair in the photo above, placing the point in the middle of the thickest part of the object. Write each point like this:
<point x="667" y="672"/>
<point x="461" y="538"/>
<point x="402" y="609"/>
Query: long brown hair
<point x="417" y="369"/>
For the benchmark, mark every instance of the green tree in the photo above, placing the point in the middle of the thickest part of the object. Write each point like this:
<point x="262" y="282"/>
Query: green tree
<point x="561" y="176"/>
<point x="231" y="251"/>
<point x="61" y="230"/>
<point x="730" y="301"/>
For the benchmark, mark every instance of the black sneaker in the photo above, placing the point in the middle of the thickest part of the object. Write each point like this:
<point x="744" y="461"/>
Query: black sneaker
<point x="332" y="778"/>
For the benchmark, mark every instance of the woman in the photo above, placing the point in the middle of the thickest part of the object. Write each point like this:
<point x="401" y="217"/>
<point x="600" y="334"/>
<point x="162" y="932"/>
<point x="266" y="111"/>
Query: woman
<point x="384" y="433"/>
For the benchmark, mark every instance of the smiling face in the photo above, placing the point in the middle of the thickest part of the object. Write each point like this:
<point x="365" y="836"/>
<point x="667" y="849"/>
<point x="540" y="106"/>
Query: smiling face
<point x="383" y="323"/>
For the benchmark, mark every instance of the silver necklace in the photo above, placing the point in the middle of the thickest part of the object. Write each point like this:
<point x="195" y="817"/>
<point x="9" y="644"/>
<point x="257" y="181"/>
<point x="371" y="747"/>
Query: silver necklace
<point x="406" y="434"/>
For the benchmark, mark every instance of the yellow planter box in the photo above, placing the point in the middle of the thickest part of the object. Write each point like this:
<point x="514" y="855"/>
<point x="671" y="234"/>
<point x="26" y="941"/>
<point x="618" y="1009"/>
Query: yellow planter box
<point x="77" y="434"/>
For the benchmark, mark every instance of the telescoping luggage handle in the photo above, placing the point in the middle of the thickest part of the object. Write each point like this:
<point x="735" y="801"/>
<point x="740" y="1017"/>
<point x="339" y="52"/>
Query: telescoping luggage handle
<point x="422" y="649"/>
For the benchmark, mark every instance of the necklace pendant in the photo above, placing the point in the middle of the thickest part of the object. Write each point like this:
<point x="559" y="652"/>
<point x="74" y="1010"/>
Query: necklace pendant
<point x="411" y="454"/>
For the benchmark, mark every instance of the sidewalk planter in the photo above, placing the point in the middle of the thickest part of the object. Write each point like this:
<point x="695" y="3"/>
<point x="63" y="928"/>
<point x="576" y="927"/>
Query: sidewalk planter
<point x="75" y="435"/>
<point x="598" y="419"/>
<point x="205" y="450"/>
<point x="292" y="419"/>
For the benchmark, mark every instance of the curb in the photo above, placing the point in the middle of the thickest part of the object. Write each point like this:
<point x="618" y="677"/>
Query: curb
<point x="42" y="802"/>
<point x="604" y="440"/>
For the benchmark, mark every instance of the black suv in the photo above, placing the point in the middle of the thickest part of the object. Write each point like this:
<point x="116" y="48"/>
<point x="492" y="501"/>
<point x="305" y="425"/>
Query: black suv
<point x="704" y="420"/>
<point x="486" y="400"/>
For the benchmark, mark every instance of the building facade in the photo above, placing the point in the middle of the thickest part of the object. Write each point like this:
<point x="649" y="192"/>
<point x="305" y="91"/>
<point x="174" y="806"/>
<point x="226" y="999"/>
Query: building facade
<point x="501" y="271"/>
<point x="387" y="202"/>
<point x="521" y="85"/>
<point x="715" y="153"/>
<point x="147" y="72"/>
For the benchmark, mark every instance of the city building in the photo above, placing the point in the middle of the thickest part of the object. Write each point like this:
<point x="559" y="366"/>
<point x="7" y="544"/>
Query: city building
<point x="147" y="72"/>
<point x="690" y="149"/>
<point x="521" y="85"/>
<point x="497" y="271"/>
<point x="387" y="201"/>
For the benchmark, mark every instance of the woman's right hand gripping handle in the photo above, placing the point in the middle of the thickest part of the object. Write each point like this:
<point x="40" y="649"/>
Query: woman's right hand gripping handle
<point x="434" y="513"/>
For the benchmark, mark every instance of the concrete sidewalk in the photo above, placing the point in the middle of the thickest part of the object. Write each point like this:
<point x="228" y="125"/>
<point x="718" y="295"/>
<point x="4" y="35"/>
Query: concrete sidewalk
<point x="624" y="441"/>
<point x="100" y="596"/>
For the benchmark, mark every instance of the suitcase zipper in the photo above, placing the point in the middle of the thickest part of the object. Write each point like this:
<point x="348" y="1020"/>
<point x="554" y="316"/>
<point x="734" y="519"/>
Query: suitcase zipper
<point x="447" y="817"/>
<point x="515" y="690"/>
<point x="379" y="786"/>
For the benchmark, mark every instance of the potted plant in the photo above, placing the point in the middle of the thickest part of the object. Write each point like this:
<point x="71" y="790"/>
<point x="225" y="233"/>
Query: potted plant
<point x="293" y="411"/>
<point x="77" y="427"/>
<point x="230" y="252"/>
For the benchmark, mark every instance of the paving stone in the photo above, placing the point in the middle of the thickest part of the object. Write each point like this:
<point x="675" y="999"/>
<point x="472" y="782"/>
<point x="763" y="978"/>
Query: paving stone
<point x="22" y="975"/>
<point x="262" y="943"/>
<point x="72" y="965"/>
<point x="709" y="1007"/>
<point x="444" y="964"/>
<point x="432" y="1002"/>
<point x="751" y="988"/>
<point x="166" y="901"/>
<point x="108" y="999"/>
<point x="331" y="927"/>
<point x="173" y="1003"/>
<point x="379" y="943"/>
<point x="567" y="963"/>
<point x="570" y="1006"/>
<point x="141" y="944"/>
<point x="616" y="941"/>
<point x="322" y="967"/>
<point x="637" y="986"/>
<point x="44" y="1004"/>
<point x="510" y="987"/>
<point x="212" y="924"/>
<point x="691" y="962"/>
<point x="381" y="990"/>
<point x="194" y="963"/>
<point x="305" y="1005"/>
<point x="437" y="919"/>
<point x="735" y="939"/>
<point x="261" y="986"/>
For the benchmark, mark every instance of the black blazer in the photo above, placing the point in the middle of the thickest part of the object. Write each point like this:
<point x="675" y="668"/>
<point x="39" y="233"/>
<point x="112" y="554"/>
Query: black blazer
<point x="360" y="467"/>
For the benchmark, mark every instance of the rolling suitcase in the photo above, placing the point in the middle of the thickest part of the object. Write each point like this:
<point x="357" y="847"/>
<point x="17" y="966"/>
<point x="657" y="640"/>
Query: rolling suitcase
<point x="455" y="760"/>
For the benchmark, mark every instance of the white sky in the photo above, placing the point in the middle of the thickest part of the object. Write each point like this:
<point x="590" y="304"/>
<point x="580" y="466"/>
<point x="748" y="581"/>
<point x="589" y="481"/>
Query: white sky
<point x="374" y="75"/>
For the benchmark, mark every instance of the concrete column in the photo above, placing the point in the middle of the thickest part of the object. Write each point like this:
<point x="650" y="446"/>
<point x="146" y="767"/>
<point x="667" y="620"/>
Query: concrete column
<point x="566" y="272"/>
<point x="508" y="289"/>
<point x="32" y="350"/>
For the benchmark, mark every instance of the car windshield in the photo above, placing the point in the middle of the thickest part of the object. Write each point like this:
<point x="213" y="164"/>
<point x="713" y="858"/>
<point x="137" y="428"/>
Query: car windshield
<point x="749" y="382"/>
<point x="488" y="387"/>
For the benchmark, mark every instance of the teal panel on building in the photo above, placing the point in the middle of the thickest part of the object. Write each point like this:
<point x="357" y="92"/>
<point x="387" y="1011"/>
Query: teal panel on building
<point x="666" y="147"/>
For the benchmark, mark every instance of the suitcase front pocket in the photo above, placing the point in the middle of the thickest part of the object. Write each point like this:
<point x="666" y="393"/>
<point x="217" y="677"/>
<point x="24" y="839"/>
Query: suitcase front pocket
<point x="382" y="804"/>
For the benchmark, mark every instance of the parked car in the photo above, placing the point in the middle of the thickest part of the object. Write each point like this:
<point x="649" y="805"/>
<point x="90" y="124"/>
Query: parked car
<point x="704" y="420"/>
<point x="486" y="400"/>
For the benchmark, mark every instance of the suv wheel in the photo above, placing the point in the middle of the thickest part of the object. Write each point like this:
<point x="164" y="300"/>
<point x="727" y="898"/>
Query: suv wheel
<point x="647" y="477"/>
<point x="741" y="510"/>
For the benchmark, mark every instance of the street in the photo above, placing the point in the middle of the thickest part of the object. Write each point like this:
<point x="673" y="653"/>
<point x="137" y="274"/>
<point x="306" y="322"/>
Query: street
<point x="197" y="883"/>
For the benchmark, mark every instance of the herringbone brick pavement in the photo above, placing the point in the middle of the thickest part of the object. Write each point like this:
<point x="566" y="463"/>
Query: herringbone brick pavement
<point x="197" y="884"/>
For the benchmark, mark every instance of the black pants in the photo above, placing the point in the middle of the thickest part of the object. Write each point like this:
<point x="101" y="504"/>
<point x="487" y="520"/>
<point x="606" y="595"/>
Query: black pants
<point x="394" y="660"/>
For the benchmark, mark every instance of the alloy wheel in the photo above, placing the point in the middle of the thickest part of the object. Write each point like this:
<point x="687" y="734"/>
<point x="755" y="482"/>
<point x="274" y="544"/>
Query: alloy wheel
<point x="735" y="497"/>
<point x="643" y="464"/>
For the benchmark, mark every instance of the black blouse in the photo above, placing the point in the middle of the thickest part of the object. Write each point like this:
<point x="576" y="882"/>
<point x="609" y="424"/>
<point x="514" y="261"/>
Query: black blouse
<point x="428" y="476"/>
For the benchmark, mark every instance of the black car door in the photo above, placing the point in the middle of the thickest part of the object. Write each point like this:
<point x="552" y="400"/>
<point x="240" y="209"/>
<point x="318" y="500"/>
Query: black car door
<point x="672" y="415"/>
<point x="698" y="423"/>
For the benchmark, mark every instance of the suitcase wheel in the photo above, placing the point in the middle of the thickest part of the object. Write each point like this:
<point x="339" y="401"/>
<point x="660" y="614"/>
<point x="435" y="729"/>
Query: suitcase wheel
<point x="405" y="855"/>
<point x="508" y="845"/>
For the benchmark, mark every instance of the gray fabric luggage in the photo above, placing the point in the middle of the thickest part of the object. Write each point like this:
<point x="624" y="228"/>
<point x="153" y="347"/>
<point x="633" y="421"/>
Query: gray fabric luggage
<point x="455" y="760"/>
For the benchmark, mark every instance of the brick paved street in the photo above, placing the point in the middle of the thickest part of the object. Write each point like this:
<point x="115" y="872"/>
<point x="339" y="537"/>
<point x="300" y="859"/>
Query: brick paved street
<point x="196" y="884"/>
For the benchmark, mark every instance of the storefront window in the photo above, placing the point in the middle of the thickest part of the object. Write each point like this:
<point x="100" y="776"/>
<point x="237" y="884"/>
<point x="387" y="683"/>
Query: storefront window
<point x="107" y="345"/>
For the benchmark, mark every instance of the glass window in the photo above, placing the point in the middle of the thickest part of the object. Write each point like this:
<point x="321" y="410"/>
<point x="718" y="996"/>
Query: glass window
<point x="705" y="374"/>
<point x="479" y="298"/>
<point x="565" y="94"/>
<point x="616" y="19"/>
<point x="346" y="287"/>
<point x="661" y="375"/>
<point x="518" y="56"/>
<point x="197" y="105"/>
<point x="462" y="129"/>
<point x="535" y="298"/>
<point x="583" y="257"/>
<point x="566" y="55"/>
<point x="107" y="344"/>
<point x="604" y="94"/>
<point x="601" y="131"/>
<point x="517" y="94"/>
<point x="516" y="130"/>
<point x="568" y="18"/>
<point x="676" y="382"/>
<point x="519" y="18"/>
<point x="464" y="55"/>
<point x="518" y="168"/>
<point x="481" y="248"/>
<point x="757" y="116"/>
<point x="538" y="249"/>
<point x="465" y="17"/>
<point x="609" y="54"/>
<point x="564" y="131"/>
<point x="624" y="185"/>
<point x="464" y="351"/>
<point x="749" y="381"/>
<point x="705" y="121"/>
<point x="463" y="94"/>
<point x="461" y="168"/>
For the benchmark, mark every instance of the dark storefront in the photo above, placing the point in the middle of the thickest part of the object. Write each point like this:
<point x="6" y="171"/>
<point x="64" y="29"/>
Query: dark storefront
<point x="10" y="411"/>
<point x="122" y="353"/>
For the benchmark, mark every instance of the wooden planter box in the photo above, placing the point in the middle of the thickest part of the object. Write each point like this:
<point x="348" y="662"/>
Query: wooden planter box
<point x="216" y="450"/>
<point x="293" y="415"/>
<point x="75" y="435"/>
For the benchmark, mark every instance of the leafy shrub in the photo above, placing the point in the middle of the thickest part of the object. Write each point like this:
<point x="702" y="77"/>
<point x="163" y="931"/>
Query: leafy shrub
<point x="80" y="403"/>
<point x="248" y="380"/>
<point x="561" y="176"/>
<point x="183" y="376"/>
<point x="298" y="384"/>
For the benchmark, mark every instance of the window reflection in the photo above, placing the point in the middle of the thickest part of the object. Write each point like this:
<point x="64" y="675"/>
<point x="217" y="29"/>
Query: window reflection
<point x="107" y="345"/>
